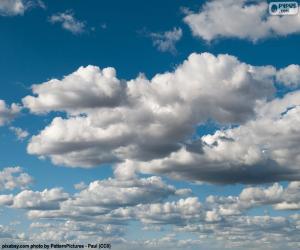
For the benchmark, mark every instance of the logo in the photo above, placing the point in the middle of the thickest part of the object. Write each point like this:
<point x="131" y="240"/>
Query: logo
<point x="283" y="8"/>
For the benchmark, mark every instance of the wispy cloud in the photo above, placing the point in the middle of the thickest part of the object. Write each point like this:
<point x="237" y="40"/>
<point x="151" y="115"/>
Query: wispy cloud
<point x="69" y="22"/>
<point x="20" y="133"/>
<point x="166" y="41"/>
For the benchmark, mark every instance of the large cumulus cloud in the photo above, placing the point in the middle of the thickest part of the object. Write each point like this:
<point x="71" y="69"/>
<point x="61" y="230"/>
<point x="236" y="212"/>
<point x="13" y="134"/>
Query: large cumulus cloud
<point x="111" y="120"/>
<point x="149" y="125"/>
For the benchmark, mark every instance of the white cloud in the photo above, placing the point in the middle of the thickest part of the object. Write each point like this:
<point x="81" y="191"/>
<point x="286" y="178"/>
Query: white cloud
<point x="6" y="199"/>
<point x="146" y="125"/>
<point x="68" y="22"/>
<point x="112" y="120"/>
<point x="116" y="192"/>
<point x="276" y="195"/>
<point x="79" y="186"/>
<point x="75" y="230"/>
<point x="18" y="7"/>
<point x="14" y="177"/>
<point x="20" y="133"/>
<point x="45" y="200"/>
<point x="167" y="40"/>
<point x="290" y="75"/>
<point x="88" y="87"/>
<point x="105" y="202"/>
<point x="210" y="220"/>
<point x="237" y="19"/>
<point x="281" y="198"/>
<point x="99" y="213"/>
<point x="7" y="114"/>
<point x="178" y="213"/>
<point x="12" y="7"/>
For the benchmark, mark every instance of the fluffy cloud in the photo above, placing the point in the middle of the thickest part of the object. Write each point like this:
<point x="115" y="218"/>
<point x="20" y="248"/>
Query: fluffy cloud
<point x="75" y="230"/>
<point x="166" y="41"/>
<point x="277" y="196"/>
<point x="86" y="88"/>
<point x="210" y="219"/>
<point x="248" y="232"/>
<point x="290" y="75"/>
<point x="35" y="200"/>
<point x="14" y="177"/>
<point x="93" y="213"/>
<point x="68" y="22"/>
<point x="7" y="114"/>
<point x="102" y="201"/>
<point x="112" y="120"/>
<point x="6" y="200"/>
<point x="178" y="213"/>
<point x="45" y="200"/>
<point x="282" y="199"/>
<point x="236" y="19"/>
<point x="147" y="125"/>
<point x="116" y="192"/>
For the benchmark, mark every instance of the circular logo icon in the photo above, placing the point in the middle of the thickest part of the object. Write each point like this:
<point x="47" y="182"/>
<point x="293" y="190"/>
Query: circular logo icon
<point x="274" y="8"/>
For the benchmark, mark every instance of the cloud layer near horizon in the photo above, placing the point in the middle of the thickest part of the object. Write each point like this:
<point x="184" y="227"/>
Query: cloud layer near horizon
<point x="104" y="209"/>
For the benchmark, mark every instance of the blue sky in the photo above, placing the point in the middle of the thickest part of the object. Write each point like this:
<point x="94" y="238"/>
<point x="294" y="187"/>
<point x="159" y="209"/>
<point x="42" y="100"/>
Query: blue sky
<point x="178" y="118"/>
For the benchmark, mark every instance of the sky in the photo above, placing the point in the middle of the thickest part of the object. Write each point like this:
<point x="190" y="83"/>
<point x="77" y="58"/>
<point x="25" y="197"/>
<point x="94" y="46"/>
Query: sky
<point x="149" y="124"/>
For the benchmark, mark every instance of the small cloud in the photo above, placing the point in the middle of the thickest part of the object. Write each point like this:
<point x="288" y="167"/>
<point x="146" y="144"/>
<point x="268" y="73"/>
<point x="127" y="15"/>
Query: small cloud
<point x="19" y="7"/>
<point x="37" y="4"/>
<point x="80" y="186"/>
<point x="12" y="7"/>
<point x="20" y="133"/>
<point x="103" y="26"/>
<point x="12" y="178"/>
<point x="68" y="22"/>
<point x="8" y="113"/>
<point x="185" y="10"/>
<point x="166" y="41"/>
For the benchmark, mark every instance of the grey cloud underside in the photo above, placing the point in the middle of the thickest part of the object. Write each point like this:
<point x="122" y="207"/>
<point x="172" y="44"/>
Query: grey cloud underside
<point x="262" y="172"/>
<point x="147" y="125"/>
<point x="262" y="150"/>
